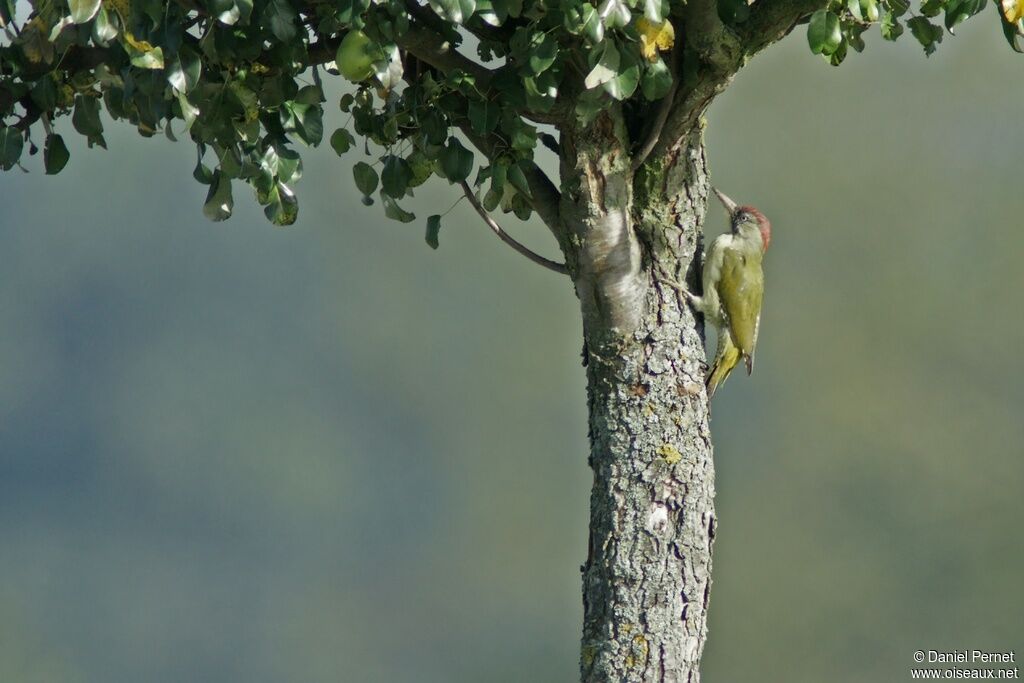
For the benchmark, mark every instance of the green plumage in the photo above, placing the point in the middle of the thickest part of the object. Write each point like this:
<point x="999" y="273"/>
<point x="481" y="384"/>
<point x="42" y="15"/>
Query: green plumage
<point x="741" y="290"/>
<point x="734" y="288"/>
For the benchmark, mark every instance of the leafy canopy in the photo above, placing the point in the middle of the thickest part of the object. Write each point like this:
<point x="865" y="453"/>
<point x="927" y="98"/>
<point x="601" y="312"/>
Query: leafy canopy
<point x="832" y="30"/>
<point x="243" y="80"/>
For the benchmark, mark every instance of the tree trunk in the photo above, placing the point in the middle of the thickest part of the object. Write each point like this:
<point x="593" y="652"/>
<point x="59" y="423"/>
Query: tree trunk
<point x="647" y="577"/>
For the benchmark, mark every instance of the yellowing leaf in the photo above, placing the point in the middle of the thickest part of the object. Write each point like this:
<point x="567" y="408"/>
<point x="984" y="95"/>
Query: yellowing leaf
<point x="654" y="37"/>
<point x="34" y="42"/>
<point x="141" y="51"/>
<point x="140" y="45"/>
<point x="122" y="7"/>
<point x="1013" y="10"/>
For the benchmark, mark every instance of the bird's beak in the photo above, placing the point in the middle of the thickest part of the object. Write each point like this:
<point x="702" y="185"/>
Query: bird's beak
<point x="729" y="204"/>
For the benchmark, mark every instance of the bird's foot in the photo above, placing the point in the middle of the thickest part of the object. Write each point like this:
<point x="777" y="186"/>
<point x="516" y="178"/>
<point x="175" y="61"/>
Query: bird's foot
<point x="692" y="298"/>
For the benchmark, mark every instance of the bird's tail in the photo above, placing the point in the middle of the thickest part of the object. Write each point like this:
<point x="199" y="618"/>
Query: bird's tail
<point x="726" y="358"/>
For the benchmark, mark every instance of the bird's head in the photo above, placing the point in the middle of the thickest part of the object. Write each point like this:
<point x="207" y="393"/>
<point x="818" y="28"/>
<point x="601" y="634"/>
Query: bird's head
<point x="746" y="220"/>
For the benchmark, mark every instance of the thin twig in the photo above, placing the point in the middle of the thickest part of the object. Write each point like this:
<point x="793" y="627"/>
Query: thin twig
<point x="508" y="239"/>
<point x="545" y="196"/>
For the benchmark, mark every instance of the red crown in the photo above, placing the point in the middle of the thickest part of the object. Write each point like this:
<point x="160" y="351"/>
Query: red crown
<point x="763" y="223"/>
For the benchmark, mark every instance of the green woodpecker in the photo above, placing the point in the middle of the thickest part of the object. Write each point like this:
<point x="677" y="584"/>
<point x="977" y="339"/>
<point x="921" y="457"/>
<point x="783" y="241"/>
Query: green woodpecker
<point x="733" y="289"/>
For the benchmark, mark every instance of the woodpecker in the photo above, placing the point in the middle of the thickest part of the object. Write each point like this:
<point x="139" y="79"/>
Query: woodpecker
<point x="733" y="288"/>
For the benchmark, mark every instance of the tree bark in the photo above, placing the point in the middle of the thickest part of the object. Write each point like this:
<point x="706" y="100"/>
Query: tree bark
<point x="647" y="578"/>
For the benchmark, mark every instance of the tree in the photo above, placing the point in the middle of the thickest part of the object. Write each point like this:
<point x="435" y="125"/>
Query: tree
<point x="617" y="91"/>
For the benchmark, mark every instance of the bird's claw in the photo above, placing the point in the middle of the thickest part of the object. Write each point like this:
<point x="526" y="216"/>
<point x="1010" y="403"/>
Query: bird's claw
<point x="690" y="296"/>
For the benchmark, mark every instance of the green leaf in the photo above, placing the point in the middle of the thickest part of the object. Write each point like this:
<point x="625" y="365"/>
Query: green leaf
<point x="342" y="141"/>
<point x="433" y="230"/>
<point x="434" y="127"/>
<point x="393" y="211"/>
<point x="615" y="13"/>
<point x="282" y="207"/>
<point x="310" y="94"/>
<point x="230" y="160"/>
<point x="606" y="66"/>
<point x="869" y="8"/>
<point x="456" y="161"/>
<point x="891" y="27"/>
<point x="189" y="112"/>
<point x="457" y="11"/>
<point x="395" y="176"/>
<point x="83" y="10"/>
<point x="309" y="121"/>
<point x="931" y="8"/>
<point x="7" y="8"/>
<point x="853" y="34"/>
<point x="491" y="200"/>
<point x="823" y="32"/>
<point x="55" y="154"/>
<point x="489" y="12"/>
<point x="86" y="120"/>
<point x="837" y="57"/>
<point x="657" y="80"/>
<point x="289" y="165"/>
<point x="897" y="7"/>
<point x="593" y="26"/>
<point x="521" y="207"/>
<point x="202" y="173"/>
<point x="219" y="202"/>
<point x="280" y="18"/>
<point x="927" y="33"/>
<point x="543" y="50"/>
<point x="624" y="84"/>
<point x="103" y="29"/>
<point x="152" y="59"/>
<point x="523" y="135"/>
<point x="855" y="9"/>
<point x="44" y="93"/>
<point x="304" y="115"/>
<point x="517" y="179"/>
<point x="184" y="71"/>
<point x="499" y="176"/>
<point x="588" y="105"/>
<point x="542" y="91"/>
<point x="365" y="177"/>
<point x="484" y="116"/>
<point x="655" y="11"/>
<point x="1014" y="36"/>
<point x="959" y="10"/>
<point x="422" y="167"/>
<point x="11" y="145"/>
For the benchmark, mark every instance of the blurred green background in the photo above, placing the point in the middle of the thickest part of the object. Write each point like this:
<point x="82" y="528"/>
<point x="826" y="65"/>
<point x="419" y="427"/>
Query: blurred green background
<point x="230" y="452"/>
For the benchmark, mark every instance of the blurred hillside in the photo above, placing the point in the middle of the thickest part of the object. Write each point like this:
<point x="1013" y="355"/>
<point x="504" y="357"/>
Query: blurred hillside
<point x="232" y="452"/>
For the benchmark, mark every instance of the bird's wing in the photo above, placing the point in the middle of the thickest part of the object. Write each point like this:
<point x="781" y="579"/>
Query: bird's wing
<point x="741" y="289"/>
<point x="713" y="261"/>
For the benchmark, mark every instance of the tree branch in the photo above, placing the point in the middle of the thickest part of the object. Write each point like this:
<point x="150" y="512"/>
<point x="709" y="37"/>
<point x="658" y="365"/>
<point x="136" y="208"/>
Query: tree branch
<point x="508" y="239"/>
<point x="710" y="54"/>
<point x="716" y="46"/>
<point x="661" y="116"/>
<point x="771" y="20"/>
<point x="719" y="52"/>
<point x="546" y="196"/>
<point x="432" y="48"/>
